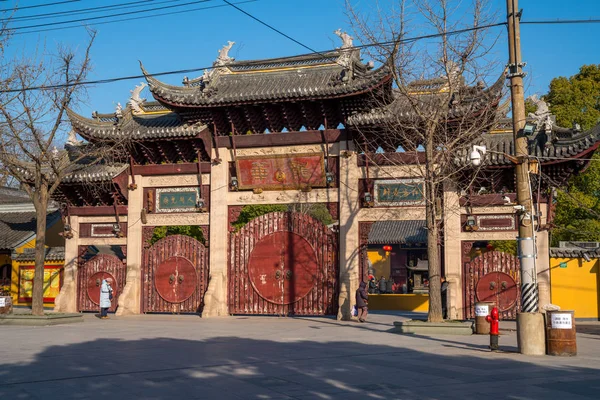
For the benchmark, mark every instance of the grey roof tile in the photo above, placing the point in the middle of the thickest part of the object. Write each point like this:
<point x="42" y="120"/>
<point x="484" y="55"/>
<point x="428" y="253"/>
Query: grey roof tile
<point x="52" y="254"/>
<point x="398" y="232"/>
<point x="15" y="227"/>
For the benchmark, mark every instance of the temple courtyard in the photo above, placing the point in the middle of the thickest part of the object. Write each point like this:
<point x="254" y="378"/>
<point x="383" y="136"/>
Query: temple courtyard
<point x="185" y="357"/>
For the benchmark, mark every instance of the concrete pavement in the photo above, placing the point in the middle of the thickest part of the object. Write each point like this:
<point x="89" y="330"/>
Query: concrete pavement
<point x="185" y="357"/>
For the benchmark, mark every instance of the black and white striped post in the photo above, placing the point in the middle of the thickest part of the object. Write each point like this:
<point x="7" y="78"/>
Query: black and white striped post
<point x="530" y="323"/>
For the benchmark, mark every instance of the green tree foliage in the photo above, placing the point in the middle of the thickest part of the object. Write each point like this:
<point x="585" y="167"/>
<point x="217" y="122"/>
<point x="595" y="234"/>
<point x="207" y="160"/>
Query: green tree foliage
<point x="576" y="99"/>
<point x="187" y="230"/>
<point x="505" y="246"/>
<point x="318" y="211"/>
<point x="250" y="212"/>
<point x="578" y="207"/>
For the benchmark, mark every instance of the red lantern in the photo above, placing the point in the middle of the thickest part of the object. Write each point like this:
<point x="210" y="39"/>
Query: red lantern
<point x="490" y="247"/>
<point x="387" y="247"/>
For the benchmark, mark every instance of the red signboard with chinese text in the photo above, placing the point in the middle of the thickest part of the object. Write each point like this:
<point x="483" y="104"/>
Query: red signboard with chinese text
<point x="284" y="171"/>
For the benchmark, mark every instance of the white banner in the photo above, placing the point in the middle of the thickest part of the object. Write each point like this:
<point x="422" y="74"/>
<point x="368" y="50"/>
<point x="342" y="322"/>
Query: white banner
<point x="2" y="302"/>
<point x="561" y="321"/>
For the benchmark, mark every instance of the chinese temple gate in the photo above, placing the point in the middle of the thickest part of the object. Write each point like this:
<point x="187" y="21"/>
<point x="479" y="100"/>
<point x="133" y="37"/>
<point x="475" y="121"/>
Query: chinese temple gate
<point x="280" y="136"/>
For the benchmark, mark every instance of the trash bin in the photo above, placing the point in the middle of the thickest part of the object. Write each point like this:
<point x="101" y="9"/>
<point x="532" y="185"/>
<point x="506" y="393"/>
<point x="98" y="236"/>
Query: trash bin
<point x="561" y="339"/>
<point x="482" y="310"/>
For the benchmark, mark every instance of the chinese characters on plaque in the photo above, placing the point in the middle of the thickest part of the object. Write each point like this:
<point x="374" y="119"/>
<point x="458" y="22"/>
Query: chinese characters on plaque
<point x="279" y="172"/>
<point x="177" y="199"/>
<point x="399" y="192"/>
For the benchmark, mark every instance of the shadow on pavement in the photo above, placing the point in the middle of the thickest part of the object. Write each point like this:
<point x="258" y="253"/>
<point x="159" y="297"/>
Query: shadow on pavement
<point x="237" y="368"/>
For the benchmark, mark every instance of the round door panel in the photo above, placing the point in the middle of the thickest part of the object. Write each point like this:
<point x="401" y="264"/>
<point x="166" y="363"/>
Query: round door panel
<point x="175" y="279"/>
<point x="498" y="287"/>
<point x="94" y="283"/>
<point x="507" y="292"/>
<point x="283" y="267"/>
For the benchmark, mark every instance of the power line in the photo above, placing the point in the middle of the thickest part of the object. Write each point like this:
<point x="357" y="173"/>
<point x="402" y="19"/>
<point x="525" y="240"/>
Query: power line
<point x="89" y="10"/>
<point x="270" y="27"/>
<point x="561" y="21"/>
<point x="39" y="5"/>
<point x="111" y="80"/>
<point x="106" y="16"/>
<point x="135" y="18"/>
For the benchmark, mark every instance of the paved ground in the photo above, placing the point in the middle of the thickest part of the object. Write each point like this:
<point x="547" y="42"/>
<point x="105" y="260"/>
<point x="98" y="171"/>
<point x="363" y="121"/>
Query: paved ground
<point x="184" y="357"/>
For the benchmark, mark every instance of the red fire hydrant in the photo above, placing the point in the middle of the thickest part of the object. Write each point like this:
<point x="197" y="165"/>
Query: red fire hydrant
<point x="493" y="319"/>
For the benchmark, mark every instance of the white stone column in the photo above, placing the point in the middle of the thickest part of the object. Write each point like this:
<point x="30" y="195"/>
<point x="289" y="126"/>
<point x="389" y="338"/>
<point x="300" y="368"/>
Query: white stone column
<point x="129" y="299"/>
<point x="66" y="301"/>
<point x="349" y="240"/>
<point x="452" y="252"/>
<point x="215" y="298"/>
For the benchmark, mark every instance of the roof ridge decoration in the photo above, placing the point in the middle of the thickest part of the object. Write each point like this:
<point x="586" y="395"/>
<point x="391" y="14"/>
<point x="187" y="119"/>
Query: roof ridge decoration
<point x="542" y="115"/>
<point x="219" y="68"/>
<point x="136" y="101"/>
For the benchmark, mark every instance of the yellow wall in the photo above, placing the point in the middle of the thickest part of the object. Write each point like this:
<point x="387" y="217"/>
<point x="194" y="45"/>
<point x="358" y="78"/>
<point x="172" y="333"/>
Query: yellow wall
<point x="14" y="289"/>
<point x="381" y="261"/>
<point x="576" y="287"/>
<point x="402" y="302"/>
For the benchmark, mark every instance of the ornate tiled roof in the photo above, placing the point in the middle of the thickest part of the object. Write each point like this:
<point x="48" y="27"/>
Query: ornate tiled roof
<point x="13" y="196"/>
<point x="560" y="143"/>
<point x="156" y="124"/>
<point x="398" y="232"/>
<point x="467" y="101"/>
<point x="573" y="252"/>
<point x="332" y="74"/>
<point x="95" y="173"/>
<point x="52" y="254"/>
<point x="17" y="227"/>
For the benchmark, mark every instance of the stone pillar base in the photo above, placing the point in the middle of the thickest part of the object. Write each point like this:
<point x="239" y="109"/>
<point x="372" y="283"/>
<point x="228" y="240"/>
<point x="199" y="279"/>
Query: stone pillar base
<point x="531" y="334"/>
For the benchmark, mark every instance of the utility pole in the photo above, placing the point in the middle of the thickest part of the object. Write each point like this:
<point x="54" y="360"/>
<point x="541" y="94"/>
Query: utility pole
<point x="529" y="321"/>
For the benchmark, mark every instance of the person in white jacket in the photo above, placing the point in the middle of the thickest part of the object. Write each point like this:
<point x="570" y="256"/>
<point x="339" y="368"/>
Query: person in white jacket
<point x="105" y="298"/>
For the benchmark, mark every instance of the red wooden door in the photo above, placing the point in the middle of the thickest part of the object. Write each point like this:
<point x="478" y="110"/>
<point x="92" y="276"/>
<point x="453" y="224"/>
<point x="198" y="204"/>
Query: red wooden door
<point x="91" y="274"/>
<point x="283" y="263"/>
<point x="493" y="276"/>
<point x="175" y="275"/>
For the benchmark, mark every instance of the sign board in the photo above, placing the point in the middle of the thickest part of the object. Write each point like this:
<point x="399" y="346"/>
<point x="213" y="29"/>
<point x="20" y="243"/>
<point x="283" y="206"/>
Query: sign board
<point x="177" y="199"/>
<point x="281" y="171"/>
<point x="2" y="302"/>
<point x="482" y="310"/>
<point x="563" y="264"/>
<point x="561" y="321"/>
<point x="399" y="192"/>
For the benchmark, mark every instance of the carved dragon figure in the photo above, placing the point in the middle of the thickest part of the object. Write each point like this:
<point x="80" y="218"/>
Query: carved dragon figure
<point x="72" y="139"/>
<point x="346" y="39"/>
<point x="223" y="57"/>
<point x="542" y="114"/>
<point x="136" y="101"/>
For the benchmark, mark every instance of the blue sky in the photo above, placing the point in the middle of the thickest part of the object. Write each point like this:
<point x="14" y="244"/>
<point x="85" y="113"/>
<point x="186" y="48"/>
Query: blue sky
<point x="191" y="39"/>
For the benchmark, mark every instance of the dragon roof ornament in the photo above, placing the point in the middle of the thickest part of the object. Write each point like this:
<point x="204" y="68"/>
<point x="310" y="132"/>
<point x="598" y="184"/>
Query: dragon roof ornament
<point x="542" y="116"/>
<point x="136" y="101"/>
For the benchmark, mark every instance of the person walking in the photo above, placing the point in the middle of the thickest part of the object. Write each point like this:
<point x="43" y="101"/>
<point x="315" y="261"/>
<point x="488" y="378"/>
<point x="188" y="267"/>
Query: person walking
<point x="106" y="294"/>
<point x="444" y="289"/>
<point x="362" y="299"/>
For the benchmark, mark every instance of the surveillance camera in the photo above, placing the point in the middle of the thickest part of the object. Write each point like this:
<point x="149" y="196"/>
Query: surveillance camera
<point x="519" y="207"/>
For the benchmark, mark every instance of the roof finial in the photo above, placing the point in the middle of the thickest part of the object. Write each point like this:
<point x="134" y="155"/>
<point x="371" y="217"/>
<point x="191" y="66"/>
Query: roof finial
<point x="223" y="57"/>
<point x="136" y="101"/>
<point x="72" y="139"/>
<point x="346" y="39"/>
<point x="119" y="111"/>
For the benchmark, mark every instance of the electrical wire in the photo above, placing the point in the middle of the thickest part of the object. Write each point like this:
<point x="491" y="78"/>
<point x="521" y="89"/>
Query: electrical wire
<point x="105" y="16"/>
<point x="39" y="5"/>
<point x="134" y="18"/>
<point x="270" y="27"/>
<point x="89" y="10"/>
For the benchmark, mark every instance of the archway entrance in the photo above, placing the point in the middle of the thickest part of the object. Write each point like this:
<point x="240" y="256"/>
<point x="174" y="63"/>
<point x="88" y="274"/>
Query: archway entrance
<point x="283" y="263"/>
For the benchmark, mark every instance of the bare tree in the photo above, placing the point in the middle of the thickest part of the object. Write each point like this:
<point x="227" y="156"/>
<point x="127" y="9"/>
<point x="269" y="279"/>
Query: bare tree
<point x="35" y="95"/>
<point x="439" y="104"/>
